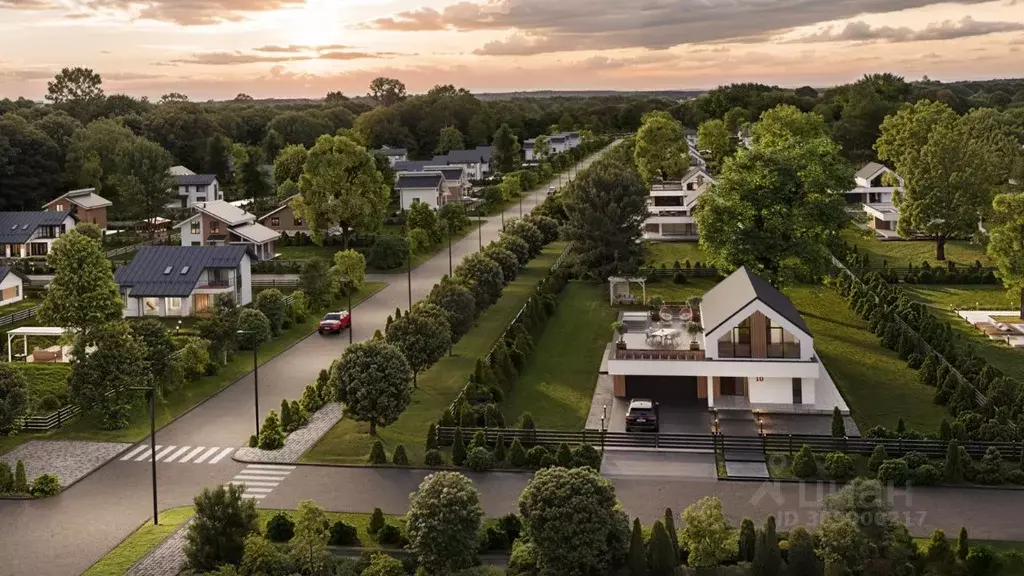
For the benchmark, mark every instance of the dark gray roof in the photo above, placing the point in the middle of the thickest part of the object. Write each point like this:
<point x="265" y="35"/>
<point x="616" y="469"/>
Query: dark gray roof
<point x="145" y="273"/>
<point x="741" y="288"/>
<point x="4" y="271"/>
<point x="18" y="227"/>
<point x="420" y="180"/>
<point x="452" y="173"/>
<point x="869" y="170"/>
<point x="480" y="154"/>
<point x="411" y="165"/>
<point x="391" y="151"/>
<point x="195" y="179"/>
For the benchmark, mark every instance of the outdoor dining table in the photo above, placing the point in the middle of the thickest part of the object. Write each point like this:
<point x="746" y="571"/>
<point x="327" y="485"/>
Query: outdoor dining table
<point x="665" y="334"/>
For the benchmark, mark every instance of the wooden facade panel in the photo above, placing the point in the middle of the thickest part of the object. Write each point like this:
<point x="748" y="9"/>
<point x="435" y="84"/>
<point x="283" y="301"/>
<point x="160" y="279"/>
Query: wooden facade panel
<point x="702" y="387"/>
<point x="758" y="335"/>
<point x="619" y="386"/>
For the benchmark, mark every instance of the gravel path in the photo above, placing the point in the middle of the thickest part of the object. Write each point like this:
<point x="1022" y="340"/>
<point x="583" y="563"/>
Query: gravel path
<point x="298" y="442"/>
<point x="166" y="559"/>
<point x="70" y="460"/>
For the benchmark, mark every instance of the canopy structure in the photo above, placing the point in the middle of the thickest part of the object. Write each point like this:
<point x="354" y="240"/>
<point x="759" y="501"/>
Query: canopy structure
<point x="26" y="331"/>
<point x="620" y="293"/>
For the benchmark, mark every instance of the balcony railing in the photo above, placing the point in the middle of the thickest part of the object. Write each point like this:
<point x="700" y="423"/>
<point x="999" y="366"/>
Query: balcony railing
<point x="629" y="354"/>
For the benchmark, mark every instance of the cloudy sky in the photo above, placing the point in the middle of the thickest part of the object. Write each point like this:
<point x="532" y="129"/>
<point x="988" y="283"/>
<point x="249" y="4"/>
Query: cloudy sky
<point x="296" y="48"/>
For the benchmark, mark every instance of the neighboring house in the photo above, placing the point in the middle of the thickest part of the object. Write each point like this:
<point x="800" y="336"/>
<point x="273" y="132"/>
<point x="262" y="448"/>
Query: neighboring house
<point x="219" y="224"/>
<point x="557" y="143"/>
<point x="529" y="153"/>
<point x="393" y="154"/>
<point x="31" y="234"/>
<point x="283" y="219"/>
<point x="670" y="206"/>
<point x="873" y="194"/>
<point x="180" y="171"/>
<point x="755" y="352"/>
<point x="697" y="160"/>
<point x="85" y="205"/>
<point x="12" y="287"/>
<point x="477" y="162"/>
<point x="743" y="137"/>
<point x="427" y="187"/>
<point x="416" y="165"/>
<point x="184" y="280"/>
<point x="194" y="189"/>
<point x="691" y="136"/>
<point x="455" y="179"/>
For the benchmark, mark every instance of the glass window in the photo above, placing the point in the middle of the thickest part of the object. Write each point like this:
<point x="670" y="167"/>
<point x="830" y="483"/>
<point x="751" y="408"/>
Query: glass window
<point x="781" y="344"/>
<point x="60" y="207"/>
<point x="195" y="227"/>
<point x="174" y="306"/>
<point x="214" y="226"/>
<point x="736" y="342"/>
<point x="275" y="221"/>
<point x="150" y="306"/>
<point x="298" y="221"/>
<point x="798" y="391"/>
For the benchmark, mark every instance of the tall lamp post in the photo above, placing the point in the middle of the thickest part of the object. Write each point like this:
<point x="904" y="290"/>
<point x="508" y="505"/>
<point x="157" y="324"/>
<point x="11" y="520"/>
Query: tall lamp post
<point x="152" y="438"/>
<point x="448" y="228"/>
<point x="408" y="256"/>
<point x="255" y="379"/>
<point x="480" y="230"/>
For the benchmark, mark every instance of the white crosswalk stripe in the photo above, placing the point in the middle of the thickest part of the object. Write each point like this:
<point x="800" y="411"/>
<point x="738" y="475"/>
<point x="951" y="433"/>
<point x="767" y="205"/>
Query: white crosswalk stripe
<point x="178" y="454"/>
<point x="261" y="479"/>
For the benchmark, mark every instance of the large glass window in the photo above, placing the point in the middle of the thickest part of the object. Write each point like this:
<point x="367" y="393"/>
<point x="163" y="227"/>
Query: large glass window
<point x="151" y="306"/>
<point x="736" y="342"/>
<point x="195" y="227"/>
<point x="174" y="306"/>
<point x="781" y="344"/>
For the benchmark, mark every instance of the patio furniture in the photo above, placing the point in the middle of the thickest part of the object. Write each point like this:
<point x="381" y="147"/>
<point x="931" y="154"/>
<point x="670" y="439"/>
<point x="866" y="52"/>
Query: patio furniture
<point x="649" y="335"/>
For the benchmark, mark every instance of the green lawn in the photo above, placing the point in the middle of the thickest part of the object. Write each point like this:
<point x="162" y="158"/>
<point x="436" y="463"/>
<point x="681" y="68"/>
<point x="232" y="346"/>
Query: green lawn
<point x="44" y="380"/>
<point x="901" y="253"/>
<point x="307" y="252"/>
<point x="876" y="384"/>
<point x="676" y="293"/>
<point x="558" y="383"/>
<point x="940" y="298"/>
<point x="24" y="304"/>
<point x="349" y="441"/>
<point x="668" y="253"/>
<point x="136" y="546"/>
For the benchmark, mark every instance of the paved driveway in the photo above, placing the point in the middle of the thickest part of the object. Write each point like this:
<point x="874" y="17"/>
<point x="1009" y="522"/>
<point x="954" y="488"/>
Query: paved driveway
<point x="657" y="464"/>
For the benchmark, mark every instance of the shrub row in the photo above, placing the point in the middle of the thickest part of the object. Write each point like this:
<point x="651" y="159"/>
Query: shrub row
<point x="17" y="484"/>
<point x="481" y="455"/>
<point x="294" y="414"/>
<point x="923" y="274"/>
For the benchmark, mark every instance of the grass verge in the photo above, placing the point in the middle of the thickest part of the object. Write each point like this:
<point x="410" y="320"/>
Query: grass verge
<point x="349" y="441"/>
<point x="668" y="253"/>
<point x="557" y="384"/>
<point x="901" y="253"/>
<point x="24" y="304"/>
<point x="139" y="543"/>
<point x="361" y="522"/>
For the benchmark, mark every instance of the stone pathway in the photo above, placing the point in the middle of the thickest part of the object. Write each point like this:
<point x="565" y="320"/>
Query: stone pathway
<point x="166" y="560"/>
<point x="297" y="443"/>
<point x="70" y="460"/>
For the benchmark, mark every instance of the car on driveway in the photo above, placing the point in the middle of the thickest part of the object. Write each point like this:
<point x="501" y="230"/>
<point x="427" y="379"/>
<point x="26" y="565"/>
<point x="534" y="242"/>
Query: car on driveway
<point x="642" y="415"/>
<point x="334" y="323"/>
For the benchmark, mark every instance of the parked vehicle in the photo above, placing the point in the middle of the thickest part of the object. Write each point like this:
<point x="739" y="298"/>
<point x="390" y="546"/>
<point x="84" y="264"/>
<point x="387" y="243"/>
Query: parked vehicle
<point x="334" y="323"/>
<point x="642" y="415"/>
<point x="551" y="190"/>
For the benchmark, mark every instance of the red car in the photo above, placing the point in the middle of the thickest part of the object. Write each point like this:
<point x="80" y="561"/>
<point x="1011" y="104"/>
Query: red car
<point x="334" y="322"/>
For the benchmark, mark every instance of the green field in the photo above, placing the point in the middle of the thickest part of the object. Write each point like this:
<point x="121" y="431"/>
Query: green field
<point x="877" y="385"/>
<point x="668" y="253"/>
<point x="676" y="293"/>
<point x="557" y="384"/>
<point x="901" y="253"/>
<point x="940" y="298"/>
<point x="349" y="441"/>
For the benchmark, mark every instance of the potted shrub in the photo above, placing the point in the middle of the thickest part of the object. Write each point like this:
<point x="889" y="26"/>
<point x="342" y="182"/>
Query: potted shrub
<point x="694" y="329"/>
<point x="619" y="328"/>
<point x="656" y="302"/>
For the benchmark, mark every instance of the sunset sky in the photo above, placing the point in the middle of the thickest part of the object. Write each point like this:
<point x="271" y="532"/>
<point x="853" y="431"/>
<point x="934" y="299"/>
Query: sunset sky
<point x="304" y="48"/>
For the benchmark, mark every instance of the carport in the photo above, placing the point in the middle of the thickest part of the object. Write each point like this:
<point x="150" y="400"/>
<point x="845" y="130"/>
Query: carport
<point x="680" y="410"/>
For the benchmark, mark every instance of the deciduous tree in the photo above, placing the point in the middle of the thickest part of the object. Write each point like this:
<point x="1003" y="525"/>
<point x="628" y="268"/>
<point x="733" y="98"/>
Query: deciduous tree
<point x="483" y="277"/>
<point x="374" y="381"/>
<point x="101" y="378"/>
<point x="349" y="270"/>
<point x="142" y="178"/>
<point x="78" y="91"/>
<point x="299" y="128"/>
<point x="82" y="295"/>
<point x="450" y="139"/>
<point x="387" y="91"/>
<point x="661" y="150"/>
<point x="457" y="301"/>
<point x="443" y="522"/>
<point x="289" y="164"/>
<point x="714" y="137"/>
<point x="422" y="340"/>
<point x="13" y="399"/>
<point x="253" y="328"/>
<point x="506" y="150"/>
<point x="705" y="533"/>
<point x="29" y="165"/>
<point x="308" y="547"/>
<point x="1006" y="243"/>
<point x="222" y="521"/>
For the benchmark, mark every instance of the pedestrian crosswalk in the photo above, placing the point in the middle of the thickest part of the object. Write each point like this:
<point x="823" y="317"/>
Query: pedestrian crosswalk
<point x="177" y="454"/>
<point x="261" y="479"/>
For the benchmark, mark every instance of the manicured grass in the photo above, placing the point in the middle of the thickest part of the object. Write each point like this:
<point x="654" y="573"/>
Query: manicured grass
<point x="141" y="542"/>
<point x="940" y="298"/>
<point x="668" y="253"/>
<point x="901" y="253"/>
<point x="557" y="385"/>
<point x="307" y="252"/>
<point x="349" y="441"/>
<point x="44" y="380"/>
<point x="24" y="304"/>
<point x="876" y="384"/>
<point x="360" y="521"/>
<point x="671" y="292"/>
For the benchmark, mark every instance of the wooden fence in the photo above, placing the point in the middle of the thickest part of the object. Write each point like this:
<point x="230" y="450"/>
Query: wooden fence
<point x="126" y="249"/>
<point x="50" y="421"/>
<point x="18" y="316"/>
<point x="275" y="282"/>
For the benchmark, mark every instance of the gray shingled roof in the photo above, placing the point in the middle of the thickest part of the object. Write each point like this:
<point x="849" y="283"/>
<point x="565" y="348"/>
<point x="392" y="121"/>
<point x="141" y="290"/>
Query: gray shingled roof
<point x="741" y="288"/>
<point x="86" y="198"/>
<point x="18" y="227"/>
<point x="419" y="180"/>
<point x="145" y="274"/>
<point x="468" y="156"/>
<point x="195" y="179"/>
<point x="4" y="271"/>
<point x="869" y="170"/>
<point x="411" y="165"/>
<point x="451" y="173"/>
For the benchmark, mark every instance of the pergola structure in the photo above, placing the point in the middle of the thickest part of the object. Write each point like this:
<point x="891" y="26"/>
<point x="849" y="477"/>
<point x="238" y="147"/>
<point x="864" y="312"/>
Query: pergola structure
<point x="25" y="332"/>
<point x="619" y="290"/>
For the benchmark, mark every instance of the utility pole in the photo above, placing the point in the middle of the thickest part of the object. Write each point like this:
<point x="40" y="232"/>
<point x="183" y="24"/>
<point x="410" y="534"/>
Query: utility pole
<point x="408" y="257"/>
<point x="255" y="379"/>
<point x="152" y="440"/>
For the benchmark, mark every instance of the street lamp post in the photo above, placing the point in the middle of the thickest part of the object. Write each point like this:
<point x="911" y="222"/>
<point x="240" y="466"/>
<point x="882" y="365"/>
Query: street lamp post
<point x="408" y="256"/>
<point x="448" y="228"/>
<point x="480" y="230"/>
<point x="255" y="379"/>
<point x="152" y="439"/>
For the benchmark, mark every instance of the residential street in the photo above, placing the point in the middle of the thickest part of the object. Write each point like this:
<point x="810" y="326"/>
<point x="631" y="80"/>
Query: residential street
<point x="94" y="515"/>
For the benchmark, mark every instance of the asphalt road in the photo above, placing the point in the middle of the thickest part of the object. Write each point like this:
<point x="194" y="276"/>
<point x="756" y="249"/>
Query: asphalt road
<point x="94" y="515"/>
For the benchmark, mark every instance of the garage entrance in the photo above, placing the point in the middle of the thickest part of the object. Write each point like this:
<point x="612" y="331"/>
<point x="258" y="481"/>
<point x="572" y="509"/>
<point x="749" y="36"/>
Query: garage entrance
<point x="674" y="390"/>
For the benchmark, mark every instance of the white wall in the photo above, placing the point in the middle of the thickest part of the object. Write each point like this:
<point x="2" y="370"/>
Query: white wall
<point x="772" y="368"/>
<point x="806" y="342"/>
<point x="245" y="267"/>
<point x="187" y="237"/>
<point x="770" y="390"/>
<point x="427" y="196"/>
<point x="10" y="281"/>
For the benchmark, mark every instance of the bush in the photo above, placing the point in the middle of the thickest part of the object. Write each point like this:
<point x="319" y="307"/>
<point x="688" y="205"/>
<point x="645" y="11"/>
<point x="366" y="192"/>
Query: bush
<point x="389" y="251"/>
<point x="915" y="460"/>
<point x="535" y="456"/>
<point x="376" y="521"/>
<point x="389" y="534"/>
<point x="377" y="455"/>
<point x="495" y="539"/>
<point x="271" y="303"/>
<point x="280" y="528"/>
<point x="433" y="457"/>
<point x="479" y="459"/>
<point x="432" y="437"/>
<point x="399" y="457"/>
<point x="499" y="448"/>
<point x="271" y="435"/>
<point x="526" y="422"/>
<point x="343" y="535"/>
<point x="254" y="442"/>
<point x="878" y="455"/>
<point x="1015" y="476"/>
<point x="586" y="455"/>
<point x="804" y="465"/>
<point x="894" y="472"/>
<point x="989" y="469"/>
<point x="7" y="478"/>
<point x="839" y="466"/>
<point x="926" y="475"/>
<point x="981" y="561"/>
<point x="458" y="448"/>
<point x="517" y="454"/>
<point x="548" y="461"/>
<point x="563" y="456"/>
<point x="46" y="485"/>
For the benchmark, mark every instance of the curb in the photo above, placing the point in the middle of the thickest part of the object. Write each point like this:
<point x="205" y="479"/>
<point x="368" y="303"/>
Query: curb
<point x="391" y="466"/>
<point x="843" y="483"/>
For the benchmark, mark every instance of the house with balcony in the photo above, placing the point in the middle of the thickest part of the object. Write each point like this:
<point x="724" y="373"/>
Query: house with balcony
<point x="477" y="162"/>
<point x="874" y="187"/>
<point x="455" y="179"/>
<point x="284" y="219"/>
<point x="85" y="205"/>
<point x="219" y="223"/>
<point x="426" y="187"/>
<point x="392" y="154"/>
<point x="31" y="234"/>
<point x="184" y="280"/>
<point x="194" y="188"/>
<point x="670" y="207"/>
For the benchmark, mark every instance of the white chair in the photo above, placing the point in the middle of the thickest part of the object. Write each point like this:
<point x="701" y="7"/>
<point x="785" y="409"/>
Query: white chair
<point x="649" y="335"/>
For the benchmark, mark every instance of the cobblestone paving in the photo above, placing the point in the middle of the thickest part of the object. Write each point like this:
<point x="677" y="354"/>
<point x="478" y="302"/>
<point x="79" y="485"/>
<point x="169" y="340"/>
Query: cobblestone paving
<point x="298" y="442"/>
<point x="166" y="559"/>
<point x="70" y="460"/>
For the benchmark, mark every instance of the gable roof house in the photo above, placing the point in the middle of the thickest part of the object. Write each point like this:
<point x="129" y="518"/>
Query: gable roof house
<point x="428" y="187"/>
<point x="12" y="288"/>
<point x="392" y="154"/>
<point x="455" y="179"/>
<point x="194" y="188"/>
<point x="755" y="353"/>
<point x="670" y="206"/>
<point x="873" y="194"/>
<point x="477" y="162"/>
<point x="85" y="205"/>
<point x="219" y="223"/>
<point x="284" y="219"/>
<point x="184" y="280"/>
<point x="31" y="234"/>
<point x="416" y="165"/>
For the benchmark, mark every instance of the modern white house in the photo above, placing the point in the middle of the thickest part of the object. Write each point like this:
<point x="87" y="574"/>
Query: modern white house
<point x="427" y="187"/>
<point x="31" y="234"/>
<point x="873" y="192"/>
<point x="754" y="352"/>
<point x="219" y="223"/>
<point x="193" y="188"/>
<point x="670" y="207"/>
<point x="184" y="280"/>
<point x="455" y="179"/>
<point x="557" y="143"/>
<point x="12" y="288"/>
<point x="691" y="136"/>
<point x="392" y="154"/>
<point x="477" y="162"/>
